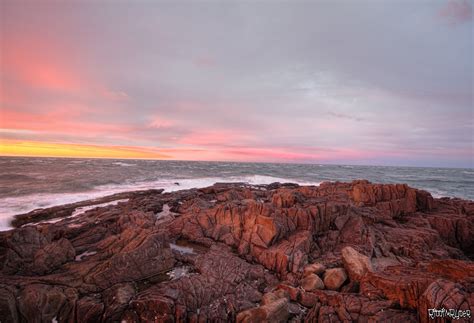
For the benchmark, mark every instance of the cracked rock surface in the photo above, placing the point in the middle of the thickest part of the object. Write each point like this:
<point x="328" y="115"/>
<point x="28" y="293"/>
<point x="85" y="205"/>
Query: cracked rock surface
<point x="338" y="252"/>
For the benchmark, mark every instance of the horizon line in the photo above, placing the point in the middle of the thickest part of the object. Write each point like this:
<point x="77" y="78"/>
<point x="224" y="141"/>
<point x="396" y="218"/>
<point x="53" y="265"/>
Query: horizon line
<point x="232" y="161"/>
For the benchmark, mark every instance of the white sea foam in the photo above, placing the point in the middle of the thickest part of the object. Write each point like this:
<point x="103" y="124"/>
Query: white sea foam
<point x="182" y="249"/>
<point x="83" y="209"/>
<point x="10" y="206"/>
<point x="178" y="272"/>
<point x="436" y="193"/>
<point x="124" y="164"/>
<point x="85" y="254"/>
<point x="252" y="180"/>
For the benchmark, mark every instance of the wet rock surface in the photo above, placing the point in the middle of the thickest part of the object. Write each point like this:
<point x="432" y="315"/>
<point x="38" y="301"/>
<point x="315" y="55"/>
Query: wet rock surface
<point x="233" y="252"/>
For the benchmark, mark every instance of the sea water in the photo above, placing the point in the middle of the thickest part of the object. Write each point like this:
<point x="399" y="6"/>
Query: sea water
<point x="28" y="183"/>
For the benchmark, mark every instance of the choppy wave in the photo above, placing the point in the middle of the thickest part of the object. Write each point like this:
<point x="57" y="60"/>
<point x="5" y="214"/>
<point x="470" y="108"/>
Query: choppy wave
<point x="124" y="164"/>
<point x="31" y="183"/>
<point x="15" y="177"/>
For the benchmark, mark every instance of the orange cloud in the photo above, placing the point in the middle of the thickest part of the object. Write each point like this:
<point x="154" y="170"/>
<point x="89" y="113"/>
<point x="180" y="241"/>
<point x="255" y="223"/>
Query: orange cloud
<point x="46" y="149"/>
<point x="13" y="147"/>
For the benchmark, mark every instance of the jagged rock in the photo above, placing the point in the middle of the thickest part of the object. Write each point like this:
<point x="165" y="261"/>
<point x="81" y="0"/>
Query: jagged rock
<point x="334" y="278"/>
<point x="312" y="282"/>
<point x="236" y="252"/>
<point x="355" y="263"/>
<point x="277" y="311"/>
<point x="393" y="284"/>
<point x="53" y="255"/>
<point x="116" y="300"/>
<point x="274" y="296"/>
<point x="342" y="307"/>
<point x="143" y="257"/>
<point x="44" y="303"/>
<point x="89" y="309"/>
<point x="448" y="295"/>
<point x="8" y="307"/>
<point x="221" y="279"/>
<point x="316" y="268"/>
<point x="454" y="269"/>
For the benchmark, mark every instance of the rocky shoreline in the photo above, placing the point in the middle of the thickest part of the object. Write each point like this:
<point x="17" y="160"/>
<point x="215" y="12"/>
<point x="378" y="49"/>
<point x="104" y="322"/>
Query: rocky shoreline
<point x="232" y="252"/>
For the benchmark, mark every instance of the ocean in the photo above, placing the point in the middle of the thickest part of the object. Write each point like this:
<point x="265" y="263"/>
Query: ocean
<point x="28" y="183"/>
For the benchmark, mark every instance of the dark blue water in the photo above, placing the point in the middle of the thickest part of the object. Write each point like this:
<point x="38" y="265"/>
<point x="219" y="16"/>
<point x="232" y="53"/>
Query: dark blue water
<point x="29" y="183"/>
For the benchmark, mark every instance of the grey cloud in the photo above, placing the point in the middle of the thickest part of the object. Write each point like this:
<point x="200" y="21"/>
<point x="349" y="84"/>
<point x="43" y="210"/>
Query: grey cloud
<point x="324" y="74"/>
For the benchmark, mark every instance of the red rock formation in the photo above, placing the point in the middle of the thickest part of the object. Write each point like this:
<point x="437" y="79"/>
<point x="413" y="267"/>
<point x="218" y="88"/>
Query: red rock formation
<point x="233" y="252"/>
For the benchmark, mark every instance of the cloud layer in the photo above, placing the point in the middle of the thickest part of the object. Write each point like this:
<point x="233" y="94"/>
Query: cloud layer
<point x="325" y="82"/>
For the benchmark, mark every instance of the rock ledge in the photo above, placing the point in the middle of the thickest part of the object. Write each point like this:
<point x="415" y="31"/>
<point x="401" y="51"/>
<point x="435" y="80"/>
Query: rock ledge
<point x="233" y="252"/>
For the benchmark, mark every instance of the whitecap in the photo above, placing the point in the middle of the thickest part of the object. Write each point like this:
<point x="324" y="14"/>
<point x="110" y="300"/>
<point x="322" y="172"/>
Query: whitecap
<point x="124" y="164"/>
<point x="11" y="206"/>
<point x="83" y="209"/>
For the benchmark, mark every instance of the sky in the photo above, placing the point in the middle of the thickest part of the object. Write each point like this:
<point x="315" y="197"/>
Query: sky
<point x="345" y="82"/>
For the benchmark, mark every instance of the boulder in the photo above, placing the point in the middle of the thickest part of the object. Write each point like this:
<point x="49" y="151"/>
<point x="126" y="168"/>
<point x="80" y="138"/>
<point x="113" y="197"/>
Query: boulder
<point x="355" y="263"/>
<point x="315" y="268"/>
<point x="271" y="297"/>
<point x="312" y="282"/>
<point x="277" y="311"/>
<point x="334" y="278"/>
<point x="44" y="303"/>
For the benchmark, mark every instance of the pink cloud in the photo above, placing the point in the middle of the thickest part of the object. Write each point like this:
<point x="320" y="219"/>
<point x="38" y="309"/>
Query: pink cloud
<point x="58" y="121"/>
<point x="204" y="62"/>
<point x="265" y="154"/>
<point x="457" y="11"/>
<point x="270" y="154"/>
<point x="160" y="123"/>
<point x="47" y="65"/>
<point x="214" y="138"/>
<point x="39" y="64"/>
<point x="115" y="95"/>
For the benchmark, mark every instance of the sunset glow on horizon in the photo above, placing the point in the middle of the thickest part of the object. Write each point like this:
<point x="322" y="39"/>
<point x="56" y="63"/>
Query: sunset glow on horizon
<point x="22" y="148"/>
<point x="45" y="149"/>
<point x="307" y="83"/>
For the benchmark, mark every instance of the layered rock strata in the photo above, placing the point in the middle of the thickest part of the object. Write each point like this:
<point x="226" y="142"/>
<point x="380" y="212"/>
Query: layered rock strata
<point x="232" y="252"/>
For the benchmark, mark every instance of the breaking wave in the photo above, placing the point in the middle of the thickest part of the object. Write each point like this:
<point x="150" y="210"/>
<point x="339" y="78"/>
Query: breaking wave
<point x="10" y="206"/>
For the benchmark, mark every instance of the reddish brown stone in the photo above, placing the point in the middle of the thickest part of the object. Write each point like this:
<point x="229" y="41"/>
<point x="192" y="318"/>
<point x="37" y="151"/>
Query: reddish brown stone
<point x="234" y="252"/>
<point x="312" y="282"/>
<point x="356" y="264"/>
<point x="334" y="278"/>
<point x="316" y="268"/>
